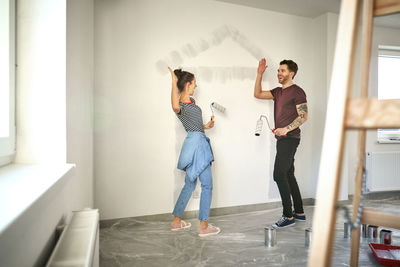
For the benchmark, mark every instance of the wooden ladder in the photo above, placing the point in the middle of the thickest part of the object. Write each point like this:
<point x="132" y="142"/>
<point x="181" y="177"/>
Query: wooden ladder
<point x="344" y="113"/>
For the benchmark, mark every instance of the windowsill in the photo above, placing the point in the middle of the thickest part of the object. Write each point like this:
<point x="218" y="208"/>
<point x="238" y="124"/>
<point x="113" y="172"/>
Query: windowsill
<point x="388" y="141"/>
<point x="4" y="160"/>
<point x="21" y="185"/>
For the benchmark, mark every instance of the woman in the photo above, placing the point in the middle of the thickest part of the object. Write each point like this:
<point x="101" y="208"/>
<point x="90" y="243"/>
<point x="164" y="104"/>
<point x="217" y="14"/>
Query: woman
<point x="196" y="154"/>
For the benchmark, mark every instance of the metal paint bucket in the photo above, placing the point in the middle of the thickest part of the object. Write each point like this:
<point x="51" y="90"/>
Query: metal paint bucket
<point x="385" y="237"/>
<point x="347" y="230"/>
<point x="308" y="237"/>
<point x="373" y="233"/>
<point x="270" y="237"/>
<point x="364" y="231"/>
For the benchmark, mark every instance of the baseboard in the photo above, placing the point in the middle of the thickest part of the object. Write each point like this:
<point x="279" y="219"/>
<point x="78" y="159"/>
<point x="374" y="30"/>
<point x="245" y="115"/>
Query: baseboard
<point x="213" y="212"/>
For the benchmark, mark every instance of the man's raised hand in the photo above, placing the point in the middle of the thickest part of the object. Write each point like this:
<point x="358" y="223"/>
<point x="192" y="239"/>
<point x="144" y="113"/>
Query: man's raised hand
<point x="262" y="66"/>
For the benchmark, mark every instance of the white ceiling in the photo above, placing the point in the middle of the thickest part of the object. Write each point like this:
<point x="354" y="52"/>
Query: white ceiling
<point x="310" y="8"/>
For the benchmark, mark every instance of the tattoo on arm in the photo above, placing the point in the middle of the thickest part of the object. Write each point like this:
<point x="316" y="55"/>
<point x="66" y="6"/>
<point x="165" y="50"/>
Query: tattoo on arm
<point x="296" y="123"/>
<point x="302" y="110"/>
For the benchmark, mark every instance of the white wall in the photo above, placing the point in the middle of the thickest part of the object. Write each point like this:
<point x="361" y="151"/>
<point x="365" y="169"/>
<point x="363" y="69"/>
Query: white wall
<point x="80" y="85"/>
<point x="324" y="38"/>
<point x="138" y="137"/>
<point x="49" y="88"/>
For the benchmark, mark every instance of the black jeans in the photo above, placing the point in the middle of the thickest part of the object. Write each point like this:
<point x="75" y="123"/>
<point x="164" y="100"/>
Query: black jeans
<point x="284" y="175"/>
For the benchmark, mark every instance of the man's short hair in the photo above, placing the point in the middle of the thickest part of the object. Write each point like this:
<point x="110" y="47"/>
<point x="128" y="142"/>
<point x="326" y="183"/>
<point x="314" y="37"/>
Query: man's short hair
<point x="292" y="66"/>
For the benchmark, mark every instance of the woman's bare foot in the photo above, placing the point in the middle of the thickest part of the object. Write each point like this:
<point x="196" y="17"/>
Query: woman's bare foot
<point x="176" y="221"/>
<point x="179" y="224"/>
<point x="203" y="224"/>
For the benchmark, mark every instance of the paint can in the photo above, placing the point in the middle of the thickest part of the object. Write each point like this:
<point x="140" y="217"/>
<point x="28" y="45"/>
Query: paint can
<point x="364" y="231"/>
<point x="347" y="230"/>
<point x="385" y="237"/>
<point x="373" y="233"/>
<point x="270" y="236"/>
<point x="308" y="237"/>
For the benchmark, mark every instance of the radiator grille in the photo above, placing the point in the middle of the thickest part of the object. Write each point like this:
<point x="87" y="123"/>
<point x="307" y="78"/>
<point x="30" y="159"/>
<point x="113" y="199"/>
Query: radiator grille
<point x="383" y="171"/>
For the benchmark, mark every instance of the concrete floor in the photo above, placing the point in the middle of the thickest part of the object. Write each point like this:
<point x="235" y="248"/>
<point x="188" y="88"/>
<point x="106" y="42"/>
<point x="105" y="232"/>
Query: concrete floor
<point x="130" y="242"/>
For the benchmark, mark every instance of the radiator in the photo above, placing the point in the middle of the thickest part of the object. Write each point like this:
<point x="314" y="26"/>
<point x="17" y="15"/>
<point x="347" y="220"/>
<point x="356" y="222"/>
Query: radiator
<point x="383" y="171"/>
<point x="78" y="244"/>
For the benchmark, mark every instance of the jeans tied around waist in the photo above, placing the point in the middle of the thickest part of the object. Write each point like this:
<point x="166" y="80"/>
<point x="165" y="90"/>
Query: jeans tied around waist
<point x="196" y="154"/>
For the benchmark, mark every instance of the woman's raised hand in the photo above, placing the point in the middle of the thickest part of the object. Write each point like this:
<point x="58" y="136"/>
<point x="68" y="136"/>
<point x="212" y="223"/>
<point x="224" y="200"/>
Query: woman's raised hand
<point x="173" y="76"/>
<point x="262" y="65"/>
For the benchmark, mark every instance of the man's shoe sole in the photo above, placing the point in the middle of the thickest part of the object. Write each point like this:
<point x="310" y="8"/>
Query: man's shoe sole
<point x="298" y="219"/>
<point x="280" y="227"/>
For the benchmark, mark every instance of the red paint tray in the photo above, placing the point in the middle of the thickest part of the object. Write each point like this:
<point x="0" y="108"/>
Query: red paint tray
<point x="387" y="255"/>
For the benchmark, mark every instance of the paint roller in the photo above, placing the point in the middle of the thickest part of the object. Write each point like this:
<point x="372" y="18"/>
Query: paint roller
<point x="218" y="107"/>
<point x="260" y="124"/>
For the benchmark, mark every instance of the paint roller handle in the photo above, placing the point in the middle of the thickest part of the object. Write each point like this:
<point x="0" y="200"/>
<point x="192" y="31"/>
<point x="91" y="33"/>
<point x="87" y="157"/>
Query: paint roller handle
<point x="274" y="130"/>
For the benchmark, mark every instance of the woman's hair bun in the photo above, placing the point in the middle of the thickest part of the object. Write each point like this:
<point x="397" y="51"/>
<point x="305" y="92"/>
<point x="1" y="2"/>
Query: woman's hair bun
<point x="178" y="73"/>
<point x="184" y="77"/>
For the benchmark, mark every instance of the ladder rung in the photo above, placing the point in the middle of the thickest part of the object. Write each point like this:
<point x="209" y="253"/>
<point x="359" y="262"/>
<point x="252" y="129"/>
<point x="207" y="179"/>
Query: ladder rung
<point x="370" y="113"/>
<point x="373" y="217"/>
<point x="386" y="7"/>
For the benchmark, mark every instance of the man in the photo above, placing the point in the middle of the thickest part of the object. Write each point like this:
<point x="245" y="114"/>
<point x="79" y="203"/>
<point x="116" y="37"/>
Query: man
<point x="290" y="111"/>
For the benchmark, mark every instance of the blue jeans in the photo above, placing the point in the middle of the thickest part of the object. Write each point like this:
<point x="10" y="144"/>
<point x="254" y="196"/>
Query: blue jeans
<point x="205" y="198"/>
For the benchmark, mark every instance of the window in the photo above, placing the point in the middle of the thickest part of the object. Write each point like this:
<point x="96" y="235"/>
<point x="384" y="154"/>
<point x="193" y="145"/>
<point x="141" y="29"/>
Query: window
<point x="388" y="68"/>
<point x="7" y="81"/>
